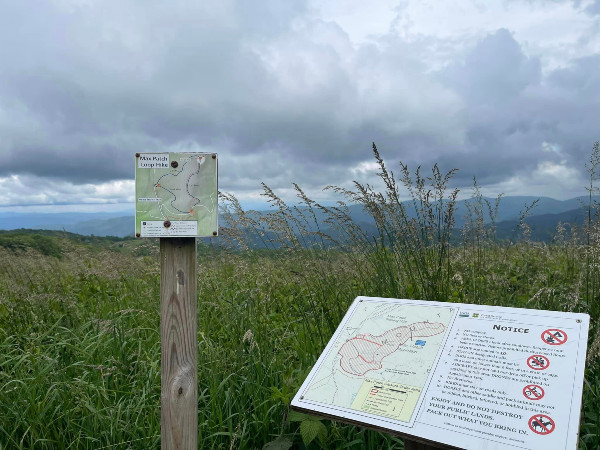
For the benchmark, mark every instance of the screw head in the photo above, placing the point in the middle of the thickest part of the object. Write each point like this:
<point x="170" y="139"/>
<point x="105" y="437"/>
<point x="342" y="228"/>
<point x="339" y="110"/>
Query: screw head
<point x="137" y="234"/>
<point x="137" y="155"/>
<point x="214" y="156"/>
<point x="214" y="233"/>
<point x="167" y="223"/>
<point x="174" y="164"/>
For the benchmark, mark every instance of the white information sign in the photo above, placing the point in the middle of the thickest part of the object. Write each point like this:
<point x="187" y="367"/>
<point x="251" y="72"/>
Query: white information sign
<point x="176" y="194"/>
<point x="470" y="376"/>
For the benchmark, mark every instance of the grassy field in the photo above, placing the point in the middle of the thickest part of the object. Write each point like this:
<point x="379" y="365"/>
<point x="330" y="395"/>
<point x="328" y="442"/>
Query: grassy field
<point x="79" y="317"/>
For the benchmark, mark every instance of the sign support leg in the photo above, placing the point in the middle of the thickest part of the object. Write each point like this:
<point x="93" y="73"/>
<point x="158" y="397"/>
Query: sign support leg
<point x="416" y="445"/>
<point x="178" y="344"/>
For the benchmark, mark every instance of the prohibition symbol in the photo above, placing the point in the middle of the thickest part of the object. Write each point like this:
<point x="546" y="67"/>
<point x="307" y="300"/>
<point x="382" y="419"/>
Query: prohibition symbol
<point x="538" y="362"/>
<point x="541" y="424"/>
<point x="554" y="336"/>
<point x="533" y="392"/>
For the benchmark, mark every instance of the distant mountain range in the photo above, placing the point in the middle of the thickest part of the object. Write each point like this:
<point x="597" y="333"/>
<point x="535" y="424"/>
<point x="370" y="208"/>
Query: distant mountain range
<point x="98" y="224"/>
<point x="543" y="218"/>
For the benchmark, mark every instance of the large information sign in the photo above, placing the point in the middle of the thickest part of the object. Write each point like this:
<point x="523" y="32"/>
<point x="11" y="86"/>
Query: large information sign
<point x="470" y="376"/>
<point x="176" y="194"/>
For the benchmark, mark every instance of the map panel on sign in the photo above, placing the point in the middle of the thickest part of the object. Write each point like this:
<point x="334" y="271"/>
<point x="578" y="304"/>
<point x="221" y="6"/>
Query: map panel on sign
<point x="176" y="194"/>
<point x="381" y="345"/>
<point x="383" y="398"/>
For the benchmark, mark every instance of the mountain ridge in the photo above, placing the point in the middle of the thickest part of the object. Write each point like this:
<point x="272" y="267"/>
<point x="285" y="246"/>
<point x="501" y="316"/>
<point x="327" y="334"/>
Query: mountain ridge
<point x="545" y="215"/>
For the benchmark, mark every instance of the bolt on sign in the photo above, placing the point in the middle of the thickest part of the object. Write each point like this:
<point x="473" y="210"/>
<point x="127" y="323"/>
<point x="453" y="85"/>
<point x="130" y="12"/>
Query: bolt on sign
<point x="468" y="376"/>
<point x="176" y="195"/>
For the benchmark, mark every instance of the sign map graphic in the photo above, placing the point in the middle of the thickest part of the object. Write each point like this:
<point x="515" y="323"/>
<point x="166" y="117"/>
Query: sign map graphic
<point x="365" y="352"/>
<point x="176" y="194"/>
<point x="381" y="359"/>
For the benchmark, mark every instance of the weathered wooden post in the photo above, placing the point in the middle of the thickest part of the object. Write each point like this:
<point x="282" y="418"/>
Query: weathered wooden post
<point x="178" y="344"/>
<point x="176" y="200"/>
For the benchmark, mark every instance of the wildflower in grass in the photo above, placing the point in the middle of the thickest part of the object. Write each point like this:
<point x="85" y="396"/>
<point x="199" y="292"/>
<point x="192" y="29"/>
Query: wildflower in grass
<point x="249" y="339"/>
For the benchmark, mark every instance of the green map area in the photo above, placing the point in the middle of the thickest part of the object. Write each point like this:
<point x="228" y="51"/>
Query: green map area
<point x="176" y="194"/>
<point x="380" y="359"/>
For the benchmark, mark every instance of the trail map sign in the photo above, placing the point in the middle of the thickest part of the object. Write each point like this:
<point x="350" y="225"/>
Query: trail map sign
<point x="470" y="376"/>
<point x="176" y="194"/>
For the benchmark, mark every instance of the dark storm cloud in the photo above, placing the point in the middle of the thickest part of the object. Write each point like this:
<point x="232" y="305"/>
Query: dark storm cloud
<point x="245" y="79"/>
<point x="282" y="96"/>
<point x="494" y="71"/>
<point x="80" y="92"/>
<point x="512" y="110"/>
<point x="593" y="8"/>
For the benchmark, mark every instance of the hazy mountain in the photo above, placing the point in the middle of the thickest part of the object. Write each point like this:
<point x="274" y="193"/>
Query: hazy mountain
<point x="98" y="224"/>
<point x="545" y="216"/>
<point x="50" y="221"/>
<point x="115" y="226"/>
<point x="510" y="208"/>
<point x="543" y="226"/>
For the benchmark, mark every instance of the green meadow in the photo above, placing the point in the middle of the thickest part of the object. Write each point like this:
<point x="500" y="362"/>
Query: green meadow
<point x="79" y="316"/>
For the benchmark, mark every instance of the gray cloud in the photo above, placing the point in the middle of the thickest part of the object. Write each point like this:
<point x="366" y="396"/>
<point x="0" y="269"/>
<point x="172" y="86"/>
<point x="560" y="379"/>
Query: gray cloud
<point x="281" y="94"/>
<point x="513" y="110"/>
<point x="496" y="70"/>
<point x="296" y="92"/>
<point x="593" y="8"/>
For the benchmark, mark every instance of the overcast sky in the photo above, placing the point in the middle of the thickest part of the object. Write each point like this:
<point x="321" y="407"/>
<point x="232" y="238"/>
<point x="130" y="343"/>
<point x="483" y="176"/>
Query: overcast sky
<point x="295" y="91"/>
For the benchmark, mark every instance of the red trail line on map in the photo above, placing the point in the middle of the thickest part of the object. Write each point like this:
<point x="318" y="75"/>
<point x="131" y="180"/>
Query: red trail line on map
<point x="366" y="352"/>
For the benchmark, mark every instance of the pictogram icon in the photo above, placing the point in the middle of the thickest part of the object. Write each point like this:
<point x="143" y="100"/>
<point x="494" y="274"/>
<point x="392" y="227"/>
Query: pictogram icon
<point x="533" y="392"/>
<point x="541" y="424"/>
<point x="554" y="336"/>
<point x="538" y="362"/>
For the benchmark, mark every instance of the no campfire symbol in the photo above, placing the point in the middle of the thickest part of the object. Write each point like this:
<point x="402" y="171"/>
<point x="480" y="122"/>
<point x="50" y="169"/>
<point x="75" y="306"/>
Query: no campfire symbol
<point x="541" y="424"/>
<point x="554" y="336"/>
<point x="538" y="362"/>
<point x="533" y="392"/>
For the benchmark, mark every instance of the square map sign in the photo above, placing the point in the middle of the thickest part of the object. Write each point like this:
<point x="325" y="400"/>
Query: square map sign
<point x="468" y="376"/>
<point x="176" y="195"/>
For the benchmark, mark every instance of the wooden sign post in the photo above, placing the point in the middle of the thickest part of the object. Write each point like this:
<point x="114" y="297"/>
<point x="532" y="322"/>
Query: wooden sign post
<point x="176" y="201"/>
<point x="178" y="344"/>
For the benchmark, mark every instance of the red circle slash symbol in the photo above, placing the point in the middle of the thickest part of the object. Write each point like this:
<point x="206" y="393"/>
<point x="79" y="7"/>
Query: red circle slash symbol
<point x="538" y="362"/>
<point x="554" y="336"/>
<point x="541" y="424"/>
<point x="533" y="392"/>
